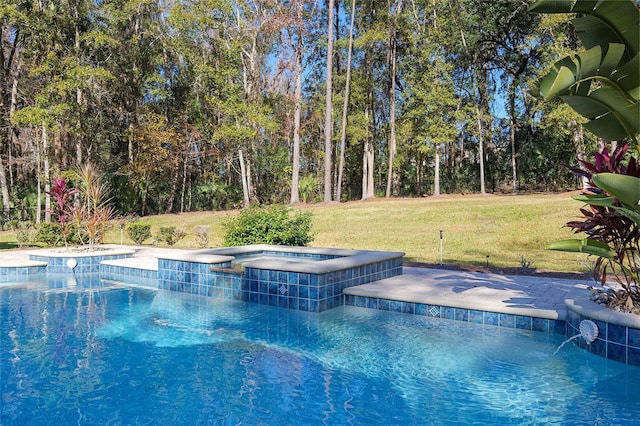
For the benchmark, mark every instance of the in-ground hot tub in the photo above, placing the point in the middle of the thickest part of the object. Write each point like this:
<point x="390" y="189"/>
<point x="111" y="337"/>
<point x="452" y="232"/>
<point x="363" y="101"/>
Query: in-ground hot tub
<point x="304" y="278"/>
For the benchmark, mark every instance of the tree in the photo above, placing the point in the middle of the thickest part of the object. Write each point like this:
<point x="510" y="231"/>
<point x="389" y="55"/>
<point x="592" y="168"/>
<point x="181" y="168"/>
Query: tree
<point x="328" y="117"/>
<point x="345" y="105"/>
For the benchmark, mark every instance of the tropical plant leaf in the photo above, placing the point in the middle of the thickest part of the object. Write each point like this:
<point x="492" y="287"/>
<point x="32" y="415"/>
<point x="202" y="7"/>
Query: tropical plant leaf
<point x="588" y="246"/>
<point x="596" y="199"/>
<point x="628" y="77"/>
<point x="604" y="21"/>
<point x="625" y="188"/>
<point x="557" y="82"/>
<point x="628" y="213"/>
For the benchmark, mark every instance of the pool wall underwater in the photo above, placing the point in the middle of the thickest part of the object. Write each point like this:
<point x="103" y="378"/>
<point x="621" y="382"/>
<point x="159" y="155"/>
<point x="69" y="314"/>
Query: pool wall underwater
<point x="314" y="282"/>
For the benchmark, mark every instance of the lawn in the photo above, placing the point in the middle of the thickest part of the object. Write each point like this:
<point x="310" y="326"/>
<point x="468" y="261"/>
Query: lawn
<point x="501" y="230"/>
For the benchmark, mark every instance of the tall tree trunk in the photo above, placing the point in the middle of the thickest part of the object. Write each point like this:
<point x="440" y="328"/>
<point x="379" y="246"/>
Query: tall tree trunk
<point x="47" y="177"/>
<point x="480" y="148"/>
<point x="184" y="184"/>
<point x="480" y="94"/>
<point x="328" y="125"/>
<point x="345" y="106"/>
<point x="436" y="180"/>
<point x="577" y="136"/>
<point x="512" y="134"/>
<point x="243" y="176"/>
<point x="6" y="206"/>
<point x="76" y="16"/>
<point x="297" y="94"/>
<point x="368" y="185"/>
<point x="393" y="53"/>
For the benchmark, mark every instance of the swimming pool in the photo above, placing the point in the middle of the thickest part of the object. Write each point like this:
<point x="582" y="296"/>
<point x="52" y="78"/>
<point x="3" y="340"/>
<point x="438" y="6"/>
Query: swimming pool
<point x="105" y="353"/>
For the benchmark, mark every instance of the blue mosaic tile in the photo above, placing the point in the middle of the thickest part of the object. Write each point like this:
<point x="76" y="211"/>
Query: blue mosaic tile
<point x="422" y="309"/>
<point x="540" y="324"/>
<point x="294" y="303"/>
<point x="616" y="352"/>
<point x="558" y="326"/>
<point x="360" y="301"/>
<point x="491" y="318"/>
<point x="447" y="312"/>
<point x="408" y="308"/>
<point x="303" y="291"/>
<point x="634" y="337"/>
<point x="633" y="356"/>
<point x="523" y="322"/>
<point x="616" y="333"/>
<point x="395" y="306"/>
<point x="507" y="320"/>
<point x="372" y="303"/>
<point x="476" y="317"/>
<point x="598" y="347"/>
<point x="384" y="305"/>
<point x="303" y="304"/>
<point x="322" y="306"/>
<point x="461" y="314"/>
<point x="313" y="293"/>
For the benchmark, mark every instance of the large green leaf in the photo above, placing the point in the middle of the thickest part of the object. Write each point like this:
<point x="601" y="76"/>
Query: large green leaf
<point x="603" y="83"/>
<point x="600" y="200"/>
<point x="625" y="188"/>
<point x="628" y="77"/>
<point x="614" y="21"/>
<point x="594" y="247"/>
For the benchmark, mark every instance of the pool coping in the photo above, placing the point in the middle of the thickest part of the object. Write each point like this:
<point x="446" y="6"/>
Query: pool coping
<point x="578" y="300"/>
<point x="345" y="259"/>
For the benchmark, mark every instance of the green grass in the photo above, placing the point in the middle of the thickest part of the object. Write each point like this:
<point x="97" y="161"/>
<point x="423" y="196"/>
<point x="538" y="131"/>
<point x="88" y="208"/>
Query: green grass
<point x="505" y="228"/>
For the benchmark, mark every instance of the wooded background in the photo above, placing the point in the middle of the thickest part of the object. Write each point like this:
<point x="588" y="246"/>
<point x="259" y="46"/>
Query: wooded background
<point x="211" y="104"/>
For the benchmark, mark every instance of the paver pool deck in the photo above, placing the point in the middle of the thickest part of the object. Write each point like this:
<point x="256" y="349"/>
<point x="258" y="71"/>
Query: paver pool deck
<point x="535" y="296"/>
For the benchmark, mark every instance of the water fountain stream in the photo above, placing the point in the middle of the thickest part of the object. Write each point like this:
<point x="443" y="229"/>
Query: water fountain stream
<point x="588" y="330"/>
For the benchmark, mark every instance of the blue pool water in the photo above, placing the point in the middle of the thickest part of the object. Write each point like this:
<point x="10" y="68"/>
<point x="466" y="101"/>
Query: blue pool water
<point x="112" y="354"/>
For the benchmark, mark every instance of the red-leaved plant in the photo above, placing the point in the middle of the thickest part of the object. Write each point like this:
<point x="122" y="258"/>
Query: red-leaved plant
<point x="63" y="210"/>
<point x="612" y="228"/>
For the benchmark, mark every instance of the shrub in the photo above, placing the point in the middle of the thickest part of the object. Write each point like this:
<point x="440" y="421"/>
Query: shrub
<point x="202" y="235"/>
<point x="138" y="231"/>
<point x="49" y="234"/>
<point x="25" y="233"/>
<point x="272" y="225"/>
<point x="170" y="235"/>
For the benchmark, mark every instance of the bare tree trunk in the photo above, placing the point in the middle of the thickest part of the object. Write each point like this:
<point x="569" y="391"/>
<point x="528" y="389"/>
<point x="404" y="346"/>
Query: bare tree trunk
<point x="184" y="184"/>
<point x="345" y="106"/>
<point x="47" y="178"/>
<point x="243" y="176"/>
<point x="6" y="206"/>
<point x="295" y="178"/>
<point x="480" y="149"/>
<point x="436" y="181"/>
<point x="512" y="133"/>
<point x="393" y="46"/>
<point x="78" y="91"/>
<point x="578" y="144"/>
<point x="328" y="125"/>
